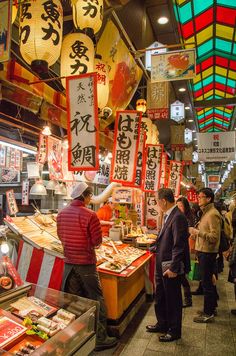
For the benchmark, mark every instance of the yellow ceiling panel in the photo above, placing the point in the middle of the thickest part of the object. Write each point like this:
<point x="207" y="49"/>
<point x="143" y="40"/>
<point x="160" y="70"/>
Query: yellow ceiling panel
<point x="221" y="71"/>
<point x="204" y="35"/>
<point x="232" y="75"/>
<point x="220" y="93"/>
<point x="197" y="78"/>
<point x="199" y="98"/>
<point x="225" y="32"/>
<point x="207" y="72"/>
<point x="209" y="93"/>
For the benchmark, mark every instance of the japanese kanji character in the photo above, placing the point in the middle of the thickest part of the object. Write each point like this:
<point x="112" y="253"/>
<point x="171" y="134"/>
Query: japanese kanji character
<point x="52" y="12"/>
<point x="91" y="8"/>
<point x="83" y="121"/>
<point x="124" y="141"/>
<point x="49" y="33"/>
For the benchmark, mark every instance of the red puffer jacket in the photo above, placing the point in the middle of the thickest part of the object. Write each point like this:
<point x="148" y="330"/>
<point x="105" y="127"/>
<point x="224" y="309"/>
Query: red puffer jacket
<point x="79" y="231"/>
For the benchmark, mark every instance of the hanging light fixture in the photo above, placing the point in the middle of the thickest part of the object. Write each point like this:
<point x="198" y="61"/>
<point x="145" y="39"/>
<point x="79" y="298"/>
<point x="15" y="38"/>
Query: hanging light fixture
<point x="46" y="131"/>
<point x="77" y="55"/>
<point x="51" y="185"/>
<point x="102" y="81"/>
<point x="40" y="33"/>
<point x="38" y="189"/>
<point x="87" y="14"/>
<point x="141" y="105"/>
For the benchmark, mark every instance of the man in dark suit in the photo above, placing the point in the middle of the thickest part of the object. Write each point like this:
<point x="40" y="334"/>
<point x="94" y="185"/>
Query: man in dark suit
<point x="172" y="260"/>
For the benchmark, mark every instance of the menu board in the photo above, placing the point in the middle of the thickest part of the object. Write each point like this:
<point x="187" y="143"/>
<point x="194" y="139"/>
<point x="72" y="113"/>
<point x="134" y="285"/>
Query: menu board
<point x="9" y="330"/>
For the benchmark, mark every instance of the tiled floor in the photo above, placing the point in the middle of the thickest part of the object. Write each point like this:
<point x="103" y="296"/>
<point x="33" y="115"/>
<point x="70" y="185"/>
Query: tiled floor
<point x="216" y="338"/>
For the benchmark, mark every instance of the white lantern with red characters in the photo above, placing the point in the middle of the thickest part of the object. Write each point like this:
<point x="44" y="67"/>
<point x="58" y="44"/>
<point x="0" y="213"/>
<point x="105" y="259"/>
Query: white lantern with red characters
<point x="77" y="55"/>
<point x="40" y="33"/>
<point x="87" y="14"/>
<point x="102" y="81"/>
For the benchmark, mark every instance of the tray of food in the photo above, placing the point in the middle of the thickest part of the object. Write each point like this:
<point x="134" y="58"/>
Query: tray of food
<point x="32" y="307"/>
<point x="22" y="224"/>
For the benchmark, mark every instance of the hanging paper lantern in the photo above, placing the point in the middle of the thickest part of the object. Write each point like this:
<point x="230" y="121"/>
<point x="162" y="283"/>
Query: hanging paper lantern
<point x="77" y="55"/>
<point x="87" y="14"/>
<point x="141" y="105"/>
<point x="40" y="32"/>
<point x="102" y="81"/>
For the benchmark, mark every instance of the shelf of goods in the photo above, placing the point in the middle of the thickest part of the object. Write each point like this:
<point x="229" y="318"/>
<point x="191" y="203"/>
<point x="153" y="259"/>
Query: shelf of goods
<point x="123" y="269"/>
<point x="42" y="321"/>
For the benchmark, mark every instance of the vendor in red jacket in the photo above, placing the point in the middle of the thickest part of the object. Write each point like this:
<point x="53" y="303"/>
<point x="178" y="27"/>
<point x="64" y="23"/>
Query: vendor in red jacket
<point x="105" y="214"/>
<point x="80" y="233"/>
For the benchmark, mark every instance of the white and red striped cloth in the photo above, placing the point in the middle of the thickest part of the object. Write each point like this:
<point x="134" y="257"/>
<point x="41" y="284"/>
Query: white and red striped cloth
<point x="38" y="267"/>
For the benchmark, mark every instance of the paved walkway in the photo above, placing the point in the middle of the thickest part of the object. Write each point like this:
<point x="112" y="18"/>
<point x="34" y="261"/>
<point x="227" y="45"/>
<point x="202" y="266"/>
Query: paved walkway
<point x="216" y="338"/>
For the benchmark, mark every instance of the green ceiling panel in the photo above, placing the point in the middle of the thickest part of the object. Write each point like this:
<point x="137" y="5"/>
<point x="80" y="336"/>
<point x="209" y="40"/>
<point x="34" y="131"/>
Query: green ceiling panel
<point x="201" y="6"/>
<point x="204" y="48"/>
<point x="223" y="45"/>
<point x="185" y="12"/>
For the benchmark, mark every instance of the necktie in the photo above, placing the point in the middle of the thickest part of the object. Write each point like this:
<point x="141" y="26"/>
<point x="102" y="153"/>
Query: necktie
<point x="165" y="218"/>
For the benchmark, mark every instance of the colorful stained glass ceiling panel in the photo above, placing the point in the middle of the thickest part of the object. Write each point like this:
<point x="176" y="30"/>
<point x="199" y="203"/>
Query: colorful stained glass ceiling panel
<point x="211" y="24"/>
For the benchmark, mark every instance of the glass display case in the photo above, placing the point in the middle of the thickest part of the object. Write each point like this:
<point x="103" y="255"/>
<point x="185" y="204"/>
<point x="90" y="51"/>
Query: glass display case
<point x="78" y="338"/>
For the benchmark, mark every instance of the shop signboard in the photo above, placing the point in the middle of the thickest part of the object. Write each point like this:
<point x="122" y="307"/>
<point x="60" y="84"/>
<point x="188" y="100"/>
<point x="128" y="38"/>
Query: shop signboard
<point x="177" y="137"/>
<point x="174" y="65"/>
<point x="216" y="146"/>
<point x="152" y="168"/>
<point x="154" y="48"/>
<point x="192" y="195"/>
<point x="177" y="111"/>
<point x="25" y="192"/>
<point x="11" y="202"/>
<point x="158" y="100"/>
<point x="33" y="170"/>
<point x="152" y="212"/>
<point x="139" y="166"/>
<point x="82" y="122"/>
<point x="5" y="29"/>
<point x="18" y="159"/>
<point x="175" y="177"/>
<point x="163" y="180"/>
<point x="125" y="150"/>
<point x="42" y="149"/>
<point x="187" y="156"/>
<point x="54" y="150"/>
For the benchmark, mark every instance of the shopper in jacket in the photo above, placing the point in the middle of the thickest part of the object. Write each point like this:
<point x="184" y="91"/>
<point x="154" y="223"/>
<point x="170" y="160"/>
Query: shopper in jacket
<point x="207" y="246"/>
<point x="80" y="233"/>
<point x="184" y="207"/>
<point x="172" y="260"/>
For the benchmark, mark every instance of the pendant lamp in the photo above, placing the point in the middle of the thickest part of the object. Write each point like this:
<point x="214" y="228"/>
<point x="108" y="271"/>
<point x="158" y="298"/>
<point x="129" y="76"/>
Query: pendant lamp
<point x="87" y="14"/>
<point x="38" y="189"/>
<point x="77" y="55"/>
<point x="40" y="33"/>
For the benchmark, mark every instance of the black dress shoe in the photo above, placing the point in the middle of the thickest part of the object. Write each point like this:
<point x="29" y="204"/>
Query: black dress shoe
<point x="155" y="329"/>
<point x="168" y="337"/>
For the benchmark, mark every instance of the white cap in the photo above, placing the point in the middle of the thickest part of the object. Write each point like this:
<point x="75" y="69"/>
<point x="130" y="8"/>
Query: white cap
<point x="78" y="190"/>
<point x="110" y="200"/>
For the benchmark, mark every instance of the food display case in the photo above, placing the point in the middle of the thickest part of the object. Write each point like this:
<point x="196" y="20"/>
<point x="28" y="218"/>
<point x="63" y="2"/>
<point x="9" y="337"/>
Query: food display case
<point x="78" y="337"/>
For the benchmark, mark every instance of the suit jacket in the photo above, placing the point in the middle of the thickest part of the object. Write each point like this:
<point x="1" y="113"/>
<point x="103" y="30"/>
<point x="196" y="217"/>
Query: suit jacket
<point x="172" y="243"/>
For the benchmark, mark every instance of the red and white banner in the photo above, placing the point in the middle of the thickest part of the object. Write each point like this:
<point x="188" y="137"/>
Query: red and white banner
<point x="175" y="177"/>
<point x="139" y="166"/>
<point x="55" y="158"/>
<point x="126" y="143"/>
<point x="82" y="122"/>
<point x="11" y="202"/>
<point x="152" y="212"/>
<point x="164" y="173"/>
<point x="152" y="168"/>
<point x="38" y="267"/>
<point x="42" y="149"/>
<point x="25" y="192"/>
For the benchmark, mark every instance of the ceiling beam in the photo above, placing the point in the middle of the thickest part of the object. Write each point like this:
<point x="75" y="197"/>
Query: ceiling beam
<point x="215" y="102"/>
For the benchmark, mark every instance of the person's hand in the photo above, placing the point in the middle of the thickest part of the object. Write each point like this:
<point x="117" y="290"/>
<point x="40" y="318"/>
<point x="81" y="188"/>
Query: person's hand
<point x="193" y="231"/>
<point x="168" y="273"/>
<point x="111" y="223"/>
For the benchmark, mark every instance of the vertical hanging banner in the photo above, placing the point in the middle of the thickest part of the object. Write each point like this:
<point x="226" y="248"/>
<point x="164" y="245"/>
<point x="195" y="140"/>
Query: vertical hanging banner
<point x="42" y="150"/>
<point x="54" y="158"/>
<point x="3" y="155"/>
<point x="126" y="143"/>
<point x="152" y="168"/>
<point x="139" y="167"/>
<point x="175" y="177"/>
<point x="152" y="213"/>
<point x="163" y="179"/>
<point x="18" y="159"/>
<point x="158" y="100"/>
<point x="25" y="192"/>
<point x="82" y="122"/>
<point x="11" y="202"/>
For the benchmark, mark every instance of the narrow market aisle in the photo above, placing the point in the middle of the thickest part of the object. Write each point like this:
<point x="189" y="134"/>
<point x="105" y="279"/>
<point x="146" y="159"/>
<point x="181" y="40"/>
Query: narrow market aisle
<point x="216" y="338"/>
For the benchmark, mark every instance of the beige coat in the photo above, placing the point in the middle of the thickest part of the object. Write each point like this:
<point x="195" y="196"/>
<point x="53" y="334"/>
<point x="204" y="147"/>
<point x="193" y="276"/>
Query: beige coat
<point x="208" y="238"/>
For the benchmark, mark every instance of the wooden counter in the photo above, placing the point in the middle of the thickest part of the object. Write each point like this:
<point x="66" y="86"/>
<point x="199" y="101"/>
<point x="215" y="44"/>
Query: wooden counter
<point x="121" y="289"/>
